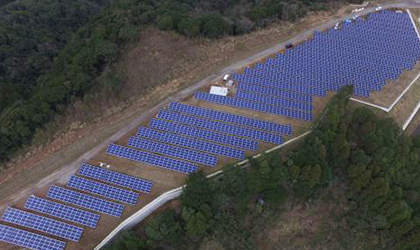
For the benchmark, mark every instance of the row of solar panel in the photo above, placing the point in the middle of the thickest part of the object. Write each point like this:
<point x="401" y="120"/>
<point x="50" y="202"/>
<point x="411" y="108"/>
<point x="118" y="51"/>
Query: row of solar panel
<point x="151" y="159"/>
<point x="303" y="89"/>
<point x="104" y="190"/>
<point x="115" y="178"/>
<point x="42" y="224"/>
<point x="239" y="103"/>
<point x="220" y="126"/>
<point x="62" y="211"/>
<point x="182" y="141"/>
<point x="307" y="67"/>
<point x="319" y="88"/>
<point x="204" y="134"/>
<point x="85" y="201"/>
<point x="287" y="73"/>
<point x="173" y="151"/>
<point x="278" y="76"/>
<point x="307" y="63"/>
<point x="29" y="240"/>
<point x="312" y="87"/>
<point x="230" y="118"/>
<point x="274" y="101"/>
<point x="271" y="91"/>
<point x="275" y="81"/>
<point x="316" y="80"/>
<point x="331" y="51"/>
<point x="372" y="58"/>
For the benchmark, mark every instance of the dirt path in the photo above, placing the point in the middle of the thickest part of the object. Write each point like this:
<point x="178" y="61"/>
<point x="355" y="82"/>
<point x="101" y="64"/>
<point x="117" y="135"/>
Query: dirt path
<point x="53" y="170"/>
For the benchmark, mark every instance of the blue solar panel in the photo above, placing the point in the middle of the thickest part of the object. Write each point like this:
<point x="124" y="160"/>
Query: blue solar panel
<point x="246" y="104"/>
<point x="204" y="134"/>
<point x="231" y="118"/>
<point x="220" y="127"/>
<point x="173" y="151"/>
<point x="363" y="53"/>
<point x="190" y="143"/>
<point x="107" y="191"/>
<point x="62" y="211"/>
<point x="276" y="101"/>
<point x="151" y="159"/>
<point x="29" y="240"/>
<point x="115" y="178"/>
<point x="85" y="201"/>
<point x="270" y="91"/>
<point x="42" y="224"/>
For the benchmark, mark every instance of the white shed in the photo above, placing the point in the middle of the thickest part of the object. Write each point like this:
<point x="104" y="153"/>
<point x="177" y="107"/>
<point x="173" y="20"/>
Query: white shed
<point x="216" y="90"/>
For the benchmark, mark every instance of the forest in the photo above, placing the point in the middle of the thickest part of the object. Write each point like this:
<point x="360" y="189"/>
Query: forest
<point x="366" y="159"/>
<point x="52" y="51"/>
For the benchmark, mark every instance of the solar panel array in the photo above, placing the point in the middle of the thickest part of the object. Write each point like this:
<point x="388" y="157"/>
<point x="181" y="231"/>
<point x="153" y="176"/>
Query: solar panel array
<point x="190" y="131"/>
<point x="363" y="53"/>
<point x="190" y="143"/>
<point x="276" y="101"/>
<point x="62" y="211"/>
<point x="115" y="178"/>
<point x="262" y="107"/>
<point x="151" y="159"/>
<point x="107" y="191"/>
<point x="173" y="151"/>
<point x="85" y="201"/>
<point x="271" y="91"/>
<point x="230" y="118"/>
<point x="221" y="127"/>
<point x="42" y="224"/>
<point x="29" y="240"/>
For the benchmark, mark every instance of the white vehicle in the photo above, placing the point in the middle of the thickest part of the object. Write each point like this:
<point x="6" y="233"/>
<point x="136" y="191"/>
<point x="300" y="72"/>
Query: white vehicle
<point x="357" y="10"/>
<point x="226" y="77"/>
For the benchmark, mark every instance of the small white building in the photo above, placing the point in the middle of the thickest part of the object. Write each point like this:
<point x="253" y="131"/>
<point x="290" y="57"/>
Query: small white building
<point x="216" y="90"/>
